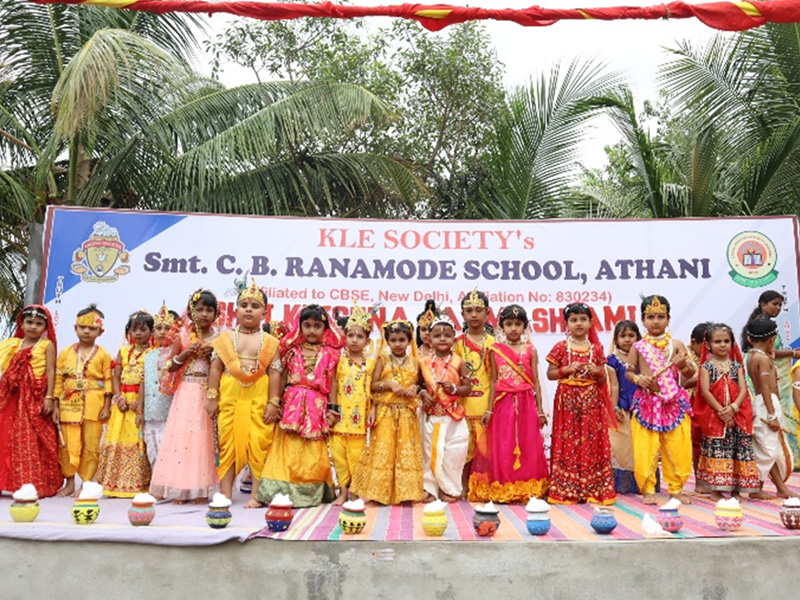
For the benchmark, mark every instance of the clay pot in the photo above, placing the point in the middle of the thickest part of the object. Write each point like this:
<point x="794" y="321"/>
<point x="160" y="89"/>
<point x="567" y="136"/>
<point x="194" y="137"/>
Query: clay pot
<point x="538" y="523"/>
<point x="278" y="517"/>
<point x="728" y="518"/>
<point x="670" y="519"/>
<point x="486" y="523"/>
<point x="352" y="521"/>
<point x="218" y="518"/>
<point x="141" y="514"/>
<point x="434" y="522"/>
<point x="24" y="511"/>
<point x="790" y="515"/>
<point x="603" y="521"/>
<point x="85" y="511"/>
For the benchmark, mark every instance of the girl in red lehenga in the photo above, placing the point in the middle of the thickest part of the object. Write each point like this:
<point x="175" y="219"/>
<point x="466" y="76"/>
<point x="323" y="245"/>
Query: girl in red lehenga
<point x="514" y="466"/>
<point x="28" y="438"/>
<point x="580" y="453"/>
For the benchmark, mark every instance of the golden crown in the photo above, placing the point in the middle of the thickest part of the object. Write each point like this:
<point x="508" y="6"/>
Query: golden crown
<point x="359" y="318"/>
<point x="427" y="318"/>
<point x="473" y="300"/>
<point x="252" y="293"/>
<point x="163" y="316"/>
<point x="656" y="307"/>
<point x="90" y="319"/>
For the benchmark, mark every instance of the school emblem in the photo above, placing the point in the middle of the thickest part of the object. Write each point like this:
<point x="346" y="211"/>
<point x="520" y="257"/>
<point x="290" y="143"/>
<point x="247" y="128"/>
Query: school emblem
<point x="103" y="257"/>
<point x="752" y="257"/>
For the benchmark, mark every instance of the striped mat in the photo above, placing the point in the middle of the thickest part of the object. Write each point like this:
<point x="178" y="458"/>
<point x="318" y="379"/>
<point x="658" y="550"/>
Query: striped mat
<point x="569" y="523"/>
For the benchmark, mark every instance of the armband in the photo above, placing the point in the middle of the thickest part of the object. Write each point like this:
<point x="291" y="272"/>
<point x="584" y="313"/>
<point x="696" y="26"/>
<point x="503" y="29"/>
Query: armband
<point x="275" y="401"/>
<point x="212" y="394"/>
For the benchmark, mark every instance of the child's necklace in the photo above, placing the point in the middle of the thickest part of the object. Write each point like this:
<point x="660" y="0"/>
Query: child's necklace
<point x="445" y="360"/>
<point x="482" y="352"/>
<point x="311" y="361"/>
<point x="362" y="367"/>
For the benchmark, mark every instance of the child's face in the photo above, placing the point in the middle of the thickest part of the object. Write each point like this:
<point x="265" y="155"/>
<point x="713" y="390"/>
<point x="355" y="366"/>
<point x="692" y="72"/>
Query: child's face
<point x="442" y="338"/>
<point x="475" y="316"/>
<point x="720" y="344"/>
<point x="425" y="335"/>
<point x="313" y="330"/>
<point x="578" y="325"/>
<point x="33" y="327"/>
<point x="141" y="334"/>
<point x="160" y="332"/>
<point x="250" y="313"/>
<point x="625" y="339"/>
<point x="204" y="315"/>
<point x="513" y="328"/>
<point x="356" y="339"/>
<point x="655" y="323"/>
<point x="87" y="334"/>
<point x="772" y="308"/>
<point x="398" y="342"/>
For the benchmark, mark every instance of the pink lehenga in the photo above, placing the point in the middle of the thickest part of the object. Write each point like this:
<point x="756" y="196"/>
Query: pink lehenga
<point x="185" y="468"/>
<point x="514" y="467"/>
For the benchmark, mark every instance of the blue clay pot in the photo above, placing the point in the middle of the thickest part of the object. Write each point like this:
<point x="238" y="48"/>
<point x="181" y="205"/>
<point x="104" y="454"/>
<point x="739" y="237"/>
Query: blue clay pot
<point x="538" y="526"/>
<point x="603" y="522"/>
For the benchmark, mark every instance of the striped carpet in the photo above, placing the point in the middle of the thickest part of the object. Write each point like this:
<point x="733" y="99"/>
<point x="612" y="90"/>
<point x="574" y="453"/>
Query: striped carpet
<point x="569" y="523"/>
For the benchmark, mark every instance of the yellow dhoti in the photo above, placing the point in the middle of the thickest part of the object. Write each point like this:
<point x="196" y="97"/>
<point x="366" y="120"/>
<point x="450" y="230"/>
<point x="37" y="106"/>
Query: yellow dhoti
<point x="675" y="449"/>
<point x="346" y="452"/>
<point x="82" y="451"/>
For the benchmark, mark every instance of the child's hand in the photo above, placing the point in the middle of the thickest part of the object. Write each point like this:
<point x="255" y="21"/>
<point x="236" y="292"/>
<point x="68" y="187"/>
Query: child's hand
<point x="619" y="412"/>
<point x="47" y="406"/>
<point x="487" y="416"/>
<point x="212" y="407"/>
<point x="680" y="359"/>
<point x="726" y="414"/>
<point x="594" y="370"/>
<point x="139" y="420"/>
<point x="331" y="418"/>
<point x="204" y="351"/>
<point x="542" y="420"/>
<point x="449" y="387"/>
<point x="135" y="405"/>
<point x="272" y="414"/>
<point x="371" y="416"/>
<point x="774" y="424"/>
<point x="104" y="415"/>
<point x="56" y="416"/>
<point x="411" y="391"/>
<point x="427" y="399"/>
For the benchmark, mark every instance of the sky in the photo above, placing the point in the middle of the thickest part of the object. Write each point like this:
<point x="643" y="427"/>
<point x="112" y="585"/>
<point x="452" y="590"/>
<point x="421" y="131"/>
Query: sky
<point x="635" y="48"/>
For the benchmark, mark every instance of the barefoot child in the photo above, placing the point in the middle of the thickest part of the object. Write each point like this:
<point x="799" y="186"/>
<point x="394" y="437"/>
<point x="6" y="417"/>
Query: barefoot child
<point x="240" y="378"/>
<point x="514" y="467"/>
<point x="153" y="404"/>
<point x="390" y="469"/>
<point x="28" y="438"/>
<point x="773" y="455"/>
<point x="83" y="387"/>
<point x="723" y="411"/>
<point x="473" y="346"/>
<point x="298" y="463"/>
<point x="445" y="435"/>
<point x="626" y="333"/>
<point x="351" y="393"/>
<point x="185" y="468"/>
<point x="661" y="425"/>
<point x="580" y="455"/>
<point x="123" y="469"/>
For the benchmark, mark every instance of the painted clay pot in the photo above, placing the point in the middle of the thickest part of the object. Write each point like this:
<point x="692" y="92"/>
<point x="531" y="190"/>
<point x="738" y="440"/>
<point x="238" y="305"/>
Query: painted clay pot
<point x="603" y="521"/>
<point x="141" y="513"/>
<point x="85" y="511"/>
<point x="24" y="511"/>
<point x="434" y="522"/>
<point x="538" y="523"/>
<point x="670" y="519"/>
<point x="218" y="518"/>
<point x="352" y="521"/>
<point x="728" y="518"/>
<point x="486" y="523"/>
<point x="279" y="517"/>
<point x="790" y="515"/>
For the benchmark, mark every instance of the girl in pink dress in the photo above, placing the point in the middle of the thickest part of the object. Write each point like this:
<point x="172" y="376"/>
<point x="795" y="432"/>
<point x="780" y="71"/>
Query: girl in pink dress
<point x="514" y="468"/>
<point x="185" y="467"/>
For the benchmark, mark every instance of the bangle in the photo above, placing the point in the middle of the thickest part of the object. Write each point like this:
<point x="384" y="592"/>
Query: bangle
<point x="637" y="378"/>
<point x="175" y="361"/>
<point x="541" y="414"/>
<point x="275" y="401"/>
<point x="335" y="408"/>
<point x="560" y="371"/>
<point x="212" y="394"/>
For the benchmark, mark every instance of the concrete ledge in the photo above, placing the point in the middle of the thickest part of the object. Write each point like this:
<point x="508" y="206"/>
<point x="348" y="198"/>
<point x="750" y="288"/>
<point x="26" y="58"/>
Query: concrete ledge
<point x="707" y="569"/>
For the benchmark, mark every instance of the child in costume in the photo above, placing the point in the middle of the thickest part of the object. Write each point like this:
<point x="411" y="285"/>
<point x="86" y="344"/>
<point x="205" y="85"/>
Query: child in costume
<point x="514" y="467"/>
<point x="28" y="438"/>
<point x="298" y="463"/>
<point x="773" y="455"/>
<point x="185" y="467"/>
<point x="473" y="346"/>
<point x="84" y="389"/>
<point x="445" y="435"/>
<point x="123" y="469"/>
<point x="626" y="333"/>
<point x="424" y="320"/>
<point x="390" y="469"/>
<point x="351" y="393"/>
<point x="239" y="385"/>
<point x="580" y="454"/>
<point x="694" y="350"/>
<point x="153" y="403"/>
<point x="723" y="412"/>
<point x="661" y="407"/>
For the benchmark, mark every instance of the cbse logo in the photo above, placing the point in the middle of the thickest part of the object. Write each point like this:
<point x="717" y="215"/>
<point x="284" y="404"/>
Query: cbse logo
<point x="752" y="257"/>
<point x="95" y="259"/>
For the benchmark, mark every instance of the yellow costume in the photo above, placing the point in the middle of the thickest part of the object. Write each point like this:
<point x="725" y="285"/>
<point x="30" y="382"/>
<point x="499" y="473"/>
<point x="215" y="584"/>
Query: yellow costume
<point x="244" y="438"/>
<point x="476" y="357"/>
<point x="124" y="469"/>
<point x="350" y="433"/>
<point x="82" y="381"/>
<point x="390" y="469"/>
